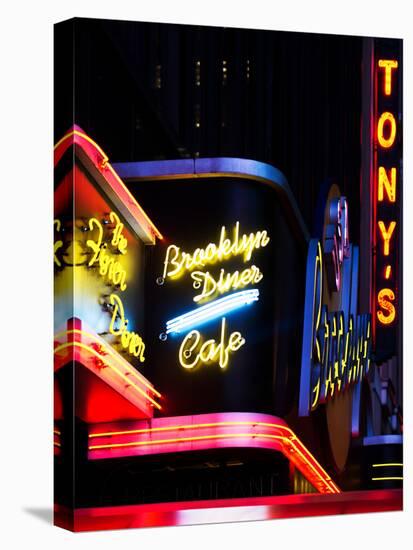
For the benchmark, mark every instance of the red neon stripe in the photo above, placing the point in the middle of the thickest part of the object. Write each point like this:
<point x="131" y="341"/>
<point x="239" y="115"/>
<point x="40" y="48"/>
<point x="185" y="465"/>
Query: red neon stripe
<point x="207" y="431"/>
<point x="100" y="160"/>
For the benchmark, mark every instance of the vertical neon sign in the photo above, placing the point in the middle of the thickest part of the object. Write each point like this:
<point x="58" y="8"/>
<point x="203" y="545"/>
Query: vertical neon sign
<point x="387" y="197"/>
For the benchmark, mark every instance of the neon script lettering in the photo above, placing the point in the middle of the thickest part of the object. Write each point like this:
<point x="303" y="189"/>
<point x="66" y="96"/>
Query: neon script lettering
<point x="226" y="281"/>
<point x="193" y="351"/>
<point x="130" y="341"/>
<point x="108" y="266"/>
<point x="178" y="261"/>
<point x="336" y="344"/>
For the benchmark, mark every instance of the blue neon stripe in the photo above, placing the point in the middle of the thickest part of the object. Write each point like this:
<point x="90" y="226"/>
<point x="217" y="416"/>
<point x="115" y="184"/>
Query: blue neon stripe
<point x="212" y="310"/>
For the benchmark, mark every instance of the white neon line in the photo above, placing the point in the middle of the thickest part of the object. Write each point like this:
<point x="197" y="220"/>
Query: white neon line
<point x="205" y="317"/>
<point x="229" y="300"/>
<point x="237" y="295"/>
<point x="212" y="311"/>
<point x="198" y="316"/>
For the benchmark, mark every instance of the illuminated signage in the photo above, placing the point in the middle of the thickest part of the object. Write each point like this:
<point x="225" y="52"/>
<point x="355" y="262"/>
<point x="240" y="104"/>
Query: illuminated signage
<point x="336" y="344"/>
<point x="193" y="350"/>
<point x="212" y="311"/>
<point x="336" y="242"/>
<point x="102" y="253"/>
<point x="178" y="261"/>
<point x="386" y="197"/>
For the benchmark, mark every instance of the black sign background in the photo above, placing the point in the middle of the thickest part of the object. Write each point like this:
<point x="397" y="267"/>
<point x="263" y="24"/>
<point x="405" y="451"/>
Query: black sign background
<point x="263" y="375"/>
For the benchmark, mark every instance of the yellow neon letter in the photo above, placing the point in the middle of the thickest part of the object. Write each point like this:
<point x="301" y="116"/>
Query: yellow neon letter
<point x="187" y="348"/>
<point x="385" y="184"/>
<point x="118" y="239"/>
<point x="386" y="142"/>
<point x="174" y="250"/>
<point x="385" y="298"/>
<point x="387" y="65"/>
<point x="117" y="304"/>
<point x="386" y="235"/>
<point x="95" y="245"/>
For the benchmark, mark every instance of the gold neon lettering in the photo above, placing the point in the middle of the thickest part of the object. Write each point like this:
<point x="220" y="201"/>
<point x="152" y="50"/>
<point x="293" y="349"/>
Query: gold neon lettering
<point x="177" y="261"/>
<point x="387" y="184"/>
<point x="95" y="244"/>
<point x="386" y="118"/>
<point x="130" y="341"/>
<point x="387" y="313"/>
<point x="118" y="239"/>
<point x="388" y="65"/>
<point x="109" y="267"/>
<point x="193" y="351"/>
<point x="386" y="235"/>
<point x="225" y="282"/>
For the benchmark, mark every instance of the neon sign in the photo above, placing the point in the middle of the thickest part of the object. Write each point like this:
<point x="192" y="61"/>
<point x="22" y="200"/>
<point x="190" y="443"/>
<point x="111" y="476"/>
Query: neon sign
<point x="211" y="311"/>
<point x="130" y="341"/>
<point x="385" y="196"/>
<point x="192" y="351"/>
<point x="336" y="345"/>
<point x="212" y="286"/>
<point x="336" y="242"/>
<point x="103" y="251"/>
<point x="209" y="286"/>
<point x="178" y="261"/>
<point x="108" y="266"/>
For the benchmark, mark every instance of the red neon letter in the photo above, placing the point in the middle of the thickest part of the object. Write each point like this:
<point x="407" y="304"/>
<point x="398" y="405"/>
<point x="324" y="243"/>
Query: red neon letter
<point x="386" y="235"/>
<point x="386" y="184"/>
<point x="384" y="299"/>
<point x="386" y="142"/>
<point x="387" y="65"/>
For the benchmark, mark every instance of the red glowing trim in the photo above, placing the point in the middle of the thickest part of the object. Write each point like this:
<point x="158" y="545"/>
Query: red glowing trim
<point x="101" y="163"/>
<point x="102" y="358"/>
<point x="106" y="349"/>
<point x="171" y="435"/>
<point x="96" y="355"/>
<point x="224" y="510"/>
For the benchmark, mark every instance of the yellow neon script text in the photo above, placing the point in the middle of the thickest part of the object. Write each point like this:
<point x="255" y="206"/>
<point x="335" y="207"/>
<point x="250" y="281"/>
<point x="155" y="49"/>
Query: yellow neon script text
<point x="387" y="313"/>
<point x="130" y="341"/>
<point x="108" y="266"/>
<point x="119" y="240"/>
<point x="388" y="141"/>
<point x="386" y="184"/>
<point x="193" y="352"/>
<point x="226" y="281"/>
<point x="177" y="261"/>
<point x="388" y="65"/>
